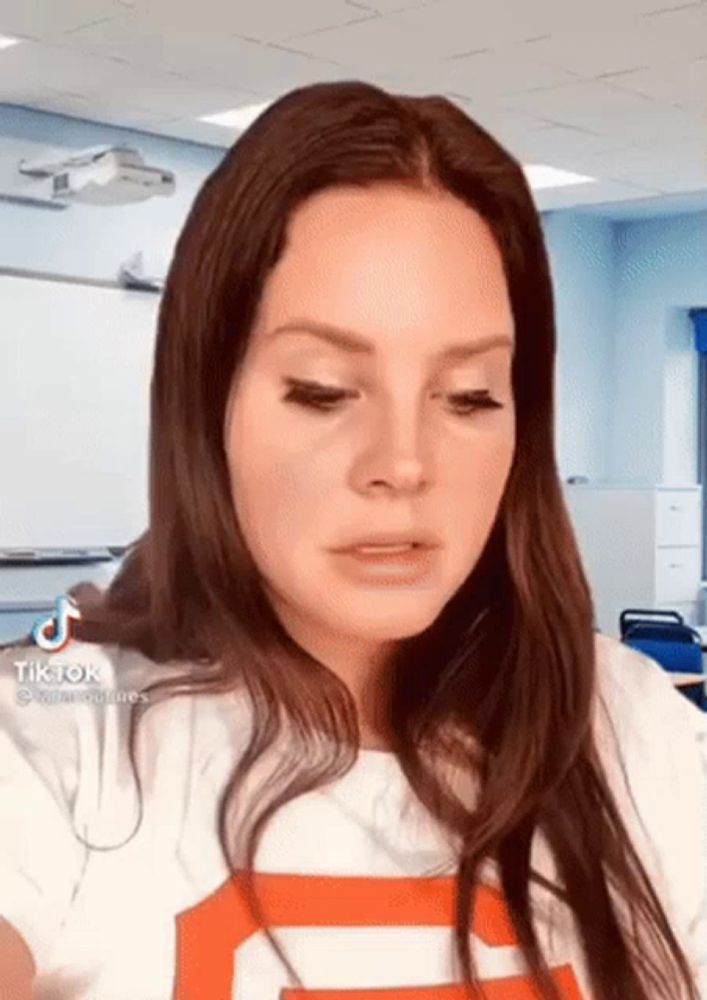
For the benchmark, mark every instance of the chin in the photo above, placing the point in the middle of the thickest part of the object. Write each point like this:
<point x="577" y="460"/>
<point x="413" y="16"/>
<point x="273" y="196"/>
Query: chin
<point x="381" y="616"/>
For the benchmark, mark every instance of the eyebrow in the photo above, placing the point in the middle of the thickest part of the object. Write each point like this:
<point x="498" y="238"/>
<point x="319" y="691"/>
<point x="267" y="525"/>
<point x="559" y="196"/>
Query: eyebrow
<point x="354" y="343"/>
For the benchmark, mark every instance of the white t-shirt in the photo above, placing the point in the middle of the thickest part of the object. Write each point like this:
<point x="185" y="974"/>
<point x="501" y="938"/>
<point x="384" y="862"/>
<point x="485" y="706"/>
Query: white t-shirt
<point x="356" y="878"/>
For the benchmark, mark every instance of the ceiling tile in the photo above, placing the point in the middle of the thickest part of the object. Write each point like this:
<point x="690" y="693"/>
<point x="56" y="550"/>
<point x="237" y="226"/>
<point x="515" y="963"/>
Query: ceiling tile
<point x="603" y="109"/>
<point x="47" y="18"/>
<point x="446" y="28"/>
<point x="502" y="123"/>
<point x="682" y="83"/>
<point x="94" y="80"/>
<point x="157" y="64"/>
<point x="174" y="97"/>
<point x="606" y="46"/>
<point x="655" y="165"/>
<point x="26" y="95"/>
<point x="390" y="6"/>
<point x="56" y="68"/>
<point x="203" y="55"/>
<point x="560" y="145"/>
<point x="487" y="74"/>
<point x="499" y="73"/>
<point x="60" y="69"/>
<point x="265" y="21"/>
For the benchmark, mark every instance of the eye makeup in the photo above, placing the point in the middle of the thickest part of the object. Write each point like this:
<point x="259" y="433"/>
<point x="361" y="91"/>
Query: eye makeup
<point x="315" y="395"/>
<point x="323" y="398"/>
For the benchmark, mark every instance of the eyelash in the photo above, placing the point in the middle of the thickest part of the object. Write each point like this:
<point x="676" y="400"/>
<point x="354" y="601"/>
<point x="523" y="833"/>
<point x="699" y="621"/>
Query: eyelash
<point x="325" y="399"/>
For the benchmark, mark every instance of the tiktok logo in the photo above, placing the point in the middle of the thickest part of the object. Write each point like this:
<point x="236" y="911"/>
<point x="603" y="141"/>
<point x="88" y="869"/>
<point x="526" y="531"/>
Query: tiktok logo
<point x="54" y="633"/>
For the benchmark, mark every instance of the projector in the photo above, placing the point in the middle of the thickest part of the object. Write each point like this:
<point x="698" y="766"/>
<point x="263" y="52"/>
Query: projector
<point x="104" y="175"/>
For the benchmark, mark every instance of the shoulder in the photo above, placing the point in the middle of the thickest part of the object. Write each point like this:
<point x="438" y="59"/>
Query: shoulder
<point x="637" y="692"/>
<point x="67" y="706"/>
<point x="41" y="693"/>
<point x="60" y="714"/>
<point x="643" y="721"/>
<point x="97" y="751"/>
<point x="653" y="744"/>
<point x="80" y="667"/>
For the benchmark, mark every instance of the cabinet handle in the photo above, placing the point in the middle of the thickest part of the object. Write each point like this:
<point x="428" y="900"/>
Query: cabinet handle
<point x="674" y="565"/>
<point x="674" y="506"/>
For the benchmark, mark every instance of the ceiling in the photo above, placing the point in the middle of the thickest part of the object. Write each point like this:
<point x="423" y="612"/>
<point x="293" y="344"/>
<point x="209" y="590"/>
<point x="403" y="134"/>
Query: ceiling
<point x="613" y="88"/>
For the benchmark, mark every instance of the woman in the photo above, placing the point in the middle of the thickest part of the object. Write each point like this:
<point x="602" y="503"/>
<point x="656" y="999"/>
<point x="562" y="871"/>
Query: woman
<point x="384" y="752"/>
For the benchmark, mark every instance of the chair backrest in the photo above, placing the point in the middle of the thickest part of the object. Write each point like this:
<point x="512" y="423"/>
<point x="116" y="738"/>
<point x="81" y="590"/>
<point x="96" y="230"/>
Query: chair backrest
<point x="663" y="631"/>
<point x="650" y="630"/>
<point x="680" y="656"/>
<point x="632" y="616"/>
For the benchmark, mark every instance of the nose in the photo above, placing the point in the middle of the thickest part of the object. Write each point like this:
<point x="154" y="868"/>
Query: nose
<point x="395" y="457"/>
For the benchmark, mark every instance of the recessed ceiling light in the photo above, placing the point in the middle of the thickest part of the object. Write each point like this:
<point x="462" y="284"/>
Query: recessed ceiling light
<point x="6" y="42"/>
<point x="540" y="176"/>
<point x="239" y="118"/>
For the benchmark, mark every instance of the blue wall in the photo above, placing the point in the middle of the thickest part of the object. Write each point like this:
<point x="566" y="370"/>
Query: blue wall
<point x="627" y="385"/>
<point x="582" y="255"/>
<point x="662" y="273"/>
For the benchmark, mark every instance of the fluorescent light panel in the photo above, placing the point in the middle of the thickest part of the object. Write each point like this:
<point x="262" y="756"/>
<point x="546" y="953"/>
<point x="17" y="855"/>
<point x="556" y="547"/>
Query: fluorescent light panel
<point x="239" y="118"/>
<point x="541" y="176"/>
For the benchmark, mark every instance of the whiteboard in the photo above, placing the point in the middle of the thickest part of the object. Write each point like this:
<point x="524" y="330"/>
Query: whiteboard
<point x="75" y="372"/>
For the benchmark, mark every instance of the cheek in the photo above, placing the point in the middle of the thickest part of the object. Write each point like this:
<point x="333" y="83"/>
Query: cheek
<point x="281" y="492"/>
<point x="474" y="481"/>
<point x="485" y="442"/>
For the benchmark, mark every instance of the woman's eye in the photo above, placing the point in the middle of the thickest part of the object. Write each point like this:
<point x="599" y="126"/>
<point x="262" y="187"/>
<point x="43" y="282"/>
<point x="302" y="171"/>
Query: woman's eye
<point x="466" y="403"/>
<point x="316" y="396"/>
<point x="327" y="398"/>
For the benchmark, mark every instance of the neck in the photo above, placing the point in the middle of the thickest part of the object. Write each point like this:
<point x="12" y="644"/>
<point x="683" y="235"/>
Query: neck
<point x="360" y="665"/>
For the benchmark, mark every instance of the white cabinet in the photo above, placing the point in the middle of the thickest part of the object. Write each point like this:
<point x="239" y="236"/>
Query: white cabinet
<point x="676" y="570"/>
<point x="678" y="516"/>
<point x="641" y="547"/>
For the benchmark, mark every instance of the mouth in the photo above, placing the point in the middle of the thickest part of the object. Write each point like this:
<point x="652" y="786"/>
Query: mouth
<point x="389" y="565"/>
<point x="393" y="554"/>
<point x="393" y="543"/>
<point x="379" y="548"/>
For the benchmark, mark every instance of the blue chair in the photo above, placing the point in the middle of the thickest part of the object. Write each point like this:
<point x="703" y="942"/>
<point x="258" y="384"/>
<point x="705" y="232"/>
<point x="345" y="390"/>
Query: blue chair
<point x="672" y="644"/>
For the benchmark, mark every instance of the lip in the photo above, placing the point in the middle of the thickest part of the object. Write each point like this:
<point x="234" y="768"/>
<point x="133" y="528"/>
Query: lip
<point x="386" y="569"/>
<point x="420" y="539"/>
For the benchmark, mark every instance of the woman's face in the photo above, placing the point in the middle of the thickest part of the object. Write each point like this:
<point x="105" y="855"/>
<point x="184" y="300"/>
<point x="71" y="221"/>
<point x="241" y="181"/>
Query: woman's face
<point x="374" y="288"/>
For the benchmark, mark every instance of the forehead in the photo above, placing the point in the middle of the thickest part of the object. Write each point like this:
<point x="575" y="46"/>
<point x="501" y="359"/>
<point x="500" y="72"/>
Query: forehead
<point x="397" y="264"/>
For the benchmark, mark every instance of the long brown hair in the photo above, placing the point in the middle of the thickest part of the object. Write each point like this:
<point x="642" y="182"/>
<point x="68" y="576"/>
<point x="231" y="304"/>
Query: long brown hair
<point x="518" y="633"/>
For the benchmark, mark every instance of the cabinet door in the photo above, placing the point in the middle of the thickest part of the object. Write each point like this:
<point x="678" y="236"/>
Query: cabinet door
<point x="677" y="574"/>
<point x="690" y="611"/>
<point x="678" y="517"/>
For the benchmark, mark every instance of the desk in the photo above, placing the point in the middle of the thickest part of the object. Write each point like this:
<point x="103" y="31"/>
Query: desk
<point x="684" y="679"/>
<point x="702" y="632"/>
